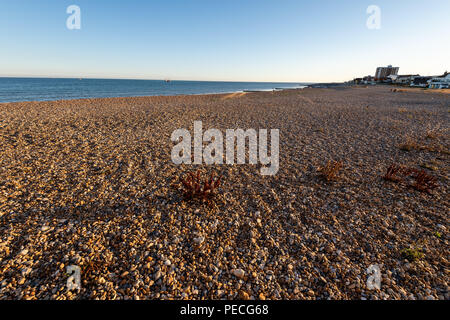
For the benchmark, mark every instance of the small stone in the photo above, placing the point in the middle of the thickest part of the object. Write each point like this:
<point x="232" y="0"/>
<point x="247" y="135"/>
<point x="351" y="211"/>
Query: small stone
<point x="167" y="262"/>
<point x="243" y="295"/>
<point x="26" y="271"/>
<point x="199" y="240"/>
<point x="239" y="273"/>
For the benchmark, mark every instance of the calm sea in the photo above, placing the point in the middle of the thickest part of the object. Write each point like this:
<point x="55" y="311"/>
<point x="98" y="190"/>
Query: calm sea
<point x="40" y="89"/>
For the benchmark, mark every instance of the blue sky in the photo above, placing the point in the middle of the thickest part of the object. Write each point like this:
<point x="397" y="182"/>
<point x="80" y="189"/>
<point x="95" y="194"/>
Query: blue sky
<point x="236" y="40"/>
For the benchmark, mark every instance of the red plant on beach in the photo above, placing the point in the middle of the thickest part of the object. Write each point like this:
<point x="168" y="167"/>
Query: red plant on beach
<point x="196" y="188"/>
<point x="422" y="181"/>
<point x="393" y="173"/>
<point x="330" y="171"/>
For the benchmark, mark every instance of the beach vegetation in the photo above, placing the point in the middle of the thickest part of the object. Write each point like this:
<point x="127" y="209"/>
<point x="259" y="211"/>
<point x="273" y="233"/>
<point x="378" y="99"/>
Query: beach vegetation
<point x="421" y="180"/>
<point x="393" y="173"/>
<point x="330" y="171"/>
<point x="412" y="254"/>
<point x="194" y="187"/>
<point x="432" y="134"/>
<point x="409" y="145"/>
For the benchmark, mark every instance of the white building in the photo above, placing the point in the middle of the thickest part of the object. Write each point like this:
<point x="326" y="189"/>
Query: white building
<point x="405" y="79"/>
<point x="442" y="82"/>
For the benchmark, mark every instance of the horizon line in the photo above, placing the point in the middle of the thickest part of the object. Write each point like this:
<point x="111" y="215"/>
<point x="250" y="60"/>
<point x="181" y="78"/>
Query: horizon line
<point x="148" y="79"/>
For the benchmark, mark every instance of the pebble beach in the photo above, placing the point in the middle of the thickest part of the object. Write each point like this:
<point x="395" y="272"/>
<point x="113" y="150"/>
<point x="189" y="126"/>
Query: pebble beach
<point x="91" y="182"/>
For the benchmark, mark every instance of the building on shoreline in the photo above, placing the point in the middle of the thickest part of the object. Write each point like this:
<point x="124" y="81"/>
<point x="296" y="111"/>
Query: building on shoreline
<point x="403" y="79"/>
<point x="389" y="75"/>
<point x="421" y="82"/>
<point x="441" y="82"/>
<point x="382" y="73"/>
<point x="365" y="80"/>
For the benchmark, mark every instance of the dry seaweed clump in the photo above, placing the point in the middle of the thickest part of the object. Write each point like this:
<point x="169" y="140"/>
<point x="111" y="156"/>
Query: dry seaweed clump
<point x="194" y="187"/>
<point x="394" y="173"/>
<point x="330" y="171"/>
<point x="421" y="180"/>
<point x="409" y="145"/>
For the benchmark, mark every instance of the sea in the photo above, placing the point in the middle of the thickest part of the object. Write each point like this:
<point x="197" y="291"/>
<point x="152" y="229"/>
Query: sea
<point x="45" y="89"/>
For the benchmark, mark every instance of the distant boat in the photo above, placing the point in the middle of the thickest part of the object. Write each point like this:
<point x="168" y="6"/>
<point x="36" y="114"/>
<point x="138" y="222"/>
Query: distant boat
<point x="167" y="80"/>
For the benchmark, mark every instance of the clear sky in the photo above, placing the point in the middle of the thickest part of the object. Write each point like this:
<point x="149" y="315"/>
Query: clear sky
<point x="236" y="40"/>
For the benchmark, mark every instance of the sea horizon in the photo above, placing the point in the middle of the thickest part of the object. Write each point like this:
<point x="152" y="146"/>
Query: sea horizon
<point x="22" y="89"/>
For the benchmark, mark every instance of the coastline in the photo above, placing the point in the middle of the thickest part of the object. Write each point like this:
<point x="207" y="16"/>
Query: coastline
<point x="176" y="95"/>
<point x="89" y="182"/>
<point x="49" y="89"/>
<point x="398" y="89"/>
